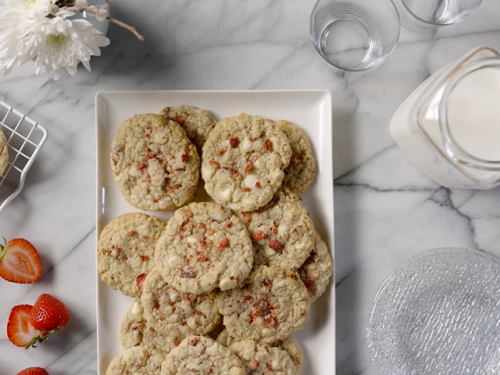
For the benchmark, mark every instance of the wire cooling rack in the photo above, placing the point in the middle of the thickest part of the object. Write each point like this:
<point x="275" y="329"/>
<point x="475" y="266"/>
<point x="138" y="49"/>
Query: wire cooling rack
<point x="25" y="138"/>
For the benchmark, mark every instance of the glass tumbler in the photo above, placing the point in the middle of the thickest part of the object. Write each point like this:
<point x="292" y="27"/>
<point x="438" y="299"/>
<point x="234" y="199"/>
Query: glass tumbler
<point x="435" y="13"/>
<point x="354" y="35"/>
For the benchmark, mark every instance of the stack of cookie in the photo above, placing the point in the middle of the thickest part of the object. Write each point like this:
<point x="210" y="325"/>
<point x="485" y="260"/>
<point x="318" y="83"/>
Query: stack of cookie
<point x="221" y="286"/>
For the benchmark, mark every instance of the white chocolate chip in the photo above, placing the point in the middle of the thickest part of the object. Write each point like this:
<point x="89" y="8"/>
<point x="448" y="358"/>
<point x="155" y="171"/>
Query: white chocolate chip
<point x="275" y="363"/>
<point x="246" y="145"/>
<point x="226" y="195"/>
<point x="283" y="230"/>
<point x="277" y="176"/>
<point x="251" y="180"/>
<point x="137" y="308"/>
<point x="226" y="284"/>
<point x="321" y="249"/>
<point x="276" y="143"/>
<point x="247" y="201"/>
<point x="266" y="332"/>
<point x="174" y="261"/>
<point x="160" y="138"/>
<point x="259" y="163"/>
<point x="270" y="252"/>
<point x="207" y="171"/>
<point x="280" y="283"/>
<point x="192" y="239"/>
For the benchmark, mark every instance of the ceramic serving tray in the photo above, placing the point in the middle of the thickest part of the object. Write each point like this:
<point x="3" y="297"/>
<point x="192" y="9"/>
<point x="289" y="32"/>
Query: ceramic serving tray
<point x="309" y="109"/>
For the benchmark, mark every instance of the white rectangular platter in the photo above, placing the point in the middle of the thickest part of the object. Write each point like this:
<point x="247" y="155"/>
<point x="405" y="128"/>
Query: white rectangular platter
<point x="309" y="109"/>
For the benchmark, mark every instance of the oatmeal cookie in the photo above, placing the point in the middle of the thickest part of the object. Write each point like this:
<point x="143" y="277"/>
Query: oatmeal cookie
<point x="4" y="153"/>
<point x="263" y="359"/>
<point x="154" y="164"/>
<point x="282" y="231"/>
<point x="243" y="162"/>
<point x="317" y="269"/>
<point x="203" y="247"/>
<point x="302" y="168"/>
<point x="126" y="249"/>
<point x="198" y="355"/>
<point x="177" y="314"/>
<point x="134" y="331"/>
<point x="271" y="304"/>
<point x="292" y="346"/>
<point x="289" y="344"/>
<point x="137" y="361"/>
<point x="197" y="123"/>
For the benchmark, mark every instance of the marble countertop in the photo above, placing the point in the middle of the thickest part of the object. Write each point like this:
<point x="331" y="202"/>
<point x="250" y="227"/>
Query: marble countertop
<point x="385" y="209"/>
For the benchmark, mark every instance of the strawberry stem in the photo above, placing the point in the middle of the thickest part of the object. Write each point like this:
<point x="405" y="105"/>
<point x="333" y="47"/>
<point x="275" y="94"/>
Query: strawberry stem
<point x="3" y="248"/>
<point x="36" y="340"/>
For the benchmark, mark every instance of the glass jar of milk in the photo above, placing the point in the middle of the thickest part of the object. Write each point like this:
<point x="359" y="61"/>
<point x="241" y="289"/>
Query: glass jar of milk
<point x="449" y="127"/>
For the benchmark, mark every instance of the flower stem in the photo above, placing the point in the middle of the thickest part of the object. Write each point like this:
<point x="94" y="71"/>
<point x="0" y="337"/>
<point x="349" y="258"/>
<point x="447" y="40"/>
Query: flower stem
<point x="92" y="11"/>
<point x="128" y="27"/>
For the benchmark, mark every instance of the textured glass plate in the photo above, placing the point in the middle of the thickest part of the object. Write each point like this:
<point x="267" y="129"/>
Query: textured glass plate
<point x="438" y="313"/>
<point x="309" y="109"/>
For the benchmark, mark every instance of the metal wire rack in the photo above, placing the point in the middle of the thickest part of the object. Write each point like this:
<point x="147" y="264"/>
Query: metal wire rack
<point x="25" y="138"/>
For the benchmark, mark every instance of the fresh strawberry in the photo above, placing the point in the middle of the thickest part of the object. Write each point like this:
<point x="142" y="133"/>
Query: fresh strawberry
<point x="19" y="329"/>
<point x="20" y="262"/>
<point x="49" y="314"/>
<point x="33" y="371"/>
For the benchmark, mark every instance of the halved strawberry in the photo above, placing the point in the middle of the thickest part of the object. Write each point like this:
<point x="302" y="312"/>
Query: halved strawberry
<point x="33" y="371"/>
<point x="19" y="329"/>
<point x="20" y="262"/>
<point x="49" y="314"/>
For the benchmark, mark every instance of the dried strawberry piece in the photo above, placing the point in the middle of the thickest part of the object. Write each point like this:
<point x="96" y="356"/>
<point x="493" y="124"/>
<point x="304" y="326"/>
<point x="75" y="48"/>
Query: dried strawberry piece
<point x="224" y="243"/>
<point x="236" y="174"/>
<point x="263" y="307"/>
<point x="215" y="164"/>
<point x="175" y="187"/>
<point x="139" y="280"/>
<point x="248" y="167"/>
<point x="259" y="235"/>
<point x="184" y="223"/>
<point x="179" y="120"/>
<point x="202" y="258"/>
<point x="275" y="245"/>
<point x="234" y="142"/>
<point x="247" y="216"/>
<point x="189" y="274"/>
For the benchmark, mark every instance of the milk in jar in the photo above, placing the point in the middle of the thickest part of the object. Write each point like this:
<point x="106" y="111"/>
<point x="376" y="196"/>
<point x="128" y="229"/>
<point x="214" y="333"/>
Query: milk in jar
<point x="449" y="127"/>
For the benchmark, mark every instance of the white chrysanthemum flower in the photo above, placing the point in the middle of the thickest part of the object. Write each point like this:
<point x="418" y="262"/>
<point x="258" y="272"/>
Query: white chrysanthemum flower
<point x="59" y="43"/>
<point x="18" y="18"/>
<point x="30" y="8"/>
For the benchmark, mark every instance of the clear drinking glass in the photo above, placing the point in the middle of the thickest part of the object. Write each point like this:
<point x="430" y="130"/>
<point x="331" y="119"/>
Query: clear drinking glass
<point x="418" y="15"/>
<point x="354" y="35"/>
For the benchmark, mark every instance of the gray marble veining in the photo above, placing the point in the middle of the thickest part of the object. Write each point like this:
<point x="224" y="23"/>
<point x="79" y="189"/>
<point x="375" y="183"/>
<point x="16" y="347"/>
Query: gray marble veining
<point x="385" y="209"/>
